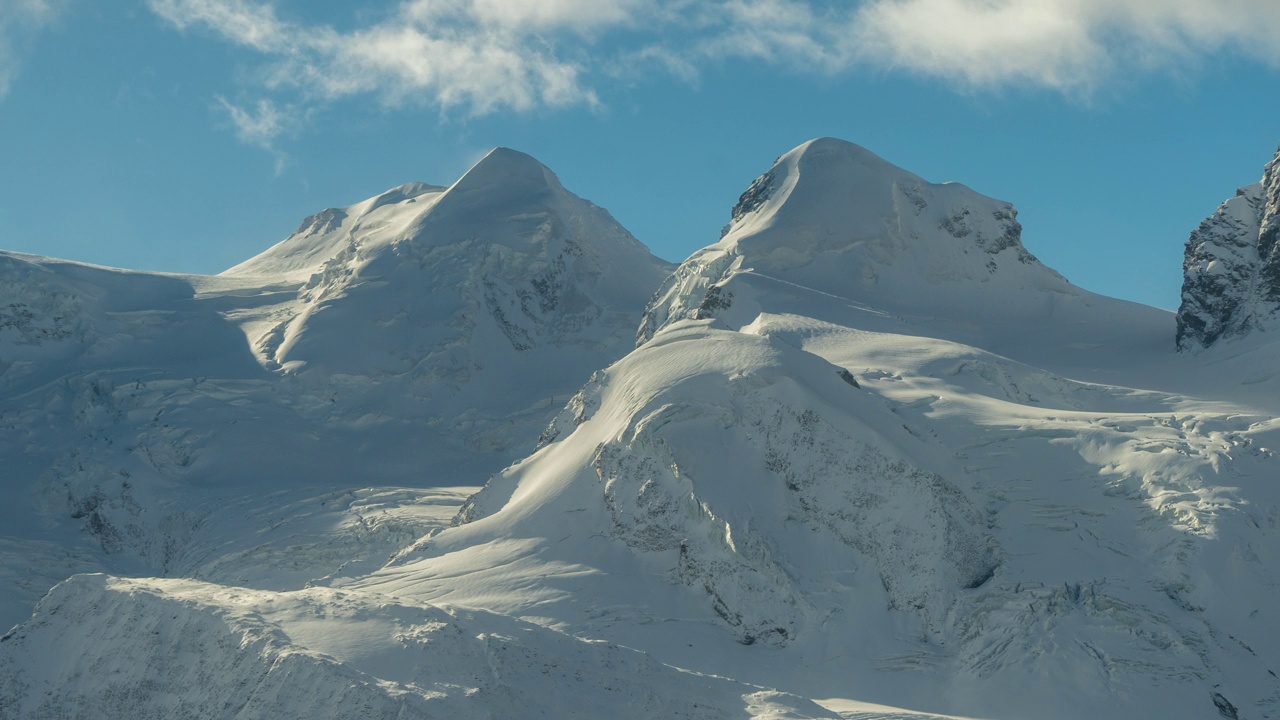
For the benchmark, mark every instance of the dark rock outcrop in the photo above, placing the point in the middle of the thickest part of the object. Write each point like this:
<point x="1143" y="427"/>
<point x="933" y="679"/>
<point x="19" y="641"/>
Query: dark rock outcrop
<point x="1231" y="270"/>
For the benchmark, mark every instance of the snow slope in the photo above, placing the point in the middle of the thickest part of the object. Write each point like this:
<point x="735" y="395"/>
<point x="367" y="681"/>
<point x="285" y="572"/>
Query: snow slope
<point x="421" y="338"/>
<point x="231" y="652"/>
<point x="868" y="450"/>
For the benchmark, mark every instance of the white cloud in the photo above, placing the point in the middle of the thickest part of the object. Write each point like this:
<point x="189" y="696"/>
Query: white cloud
<point x="794" y="33"/>
<point x="475" y="57"/>
<point x="20" y="22"/>
<point x="243" y="22"/>
<point x="1073" y="46"/>
<point x="519" y="16"/>
<point x="262" y="125"/>
<point x="1041" y="42"/>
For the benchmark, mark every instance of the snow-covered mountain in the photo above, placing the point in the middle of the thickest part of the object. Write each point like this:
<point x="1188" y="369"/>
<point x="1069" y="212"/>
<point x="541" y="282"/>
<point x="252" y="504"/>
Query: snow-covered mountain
<point x="832" y="217"/>
<point x="434" y="282"/>
<point x="1231" y="283"/>
<point x="861" y="454"/>
<point x="421" y="338"/>
<point x="867" y="454"/>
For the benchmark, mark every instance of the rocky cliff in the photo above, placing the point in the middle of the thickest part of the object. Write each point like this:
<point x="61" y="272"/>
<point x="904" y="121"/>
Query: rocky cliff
<point x="1231" y="284"/>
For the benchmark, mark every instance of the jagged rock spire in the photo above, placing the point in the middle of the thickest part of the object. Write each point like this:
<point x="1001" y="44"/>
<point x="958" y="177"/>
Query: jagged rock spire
<point x="1231" y="270"/>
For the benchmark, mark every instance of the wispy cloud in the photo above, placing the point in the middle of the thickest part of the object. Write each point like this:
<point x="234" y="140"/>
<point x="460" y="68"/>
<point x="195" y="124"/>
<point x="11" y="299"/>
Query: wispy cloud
<point x="243" y="22"/>
<point x="1074" y="46"/>
<point x="256" y="127"/>
<point x="20" y="22"/>
<point x="262" y="125"/>
<point x="475" y="57"/>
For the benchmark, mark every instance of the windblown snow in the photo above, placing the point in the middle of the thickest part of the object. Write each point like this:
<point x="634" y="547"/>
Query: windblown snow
<point x="868" y="454"/>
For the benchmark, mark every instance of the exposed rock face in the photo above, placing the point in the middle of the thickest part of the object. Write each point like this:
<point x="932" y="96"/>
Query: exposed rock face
<point x="1231" y="271"/>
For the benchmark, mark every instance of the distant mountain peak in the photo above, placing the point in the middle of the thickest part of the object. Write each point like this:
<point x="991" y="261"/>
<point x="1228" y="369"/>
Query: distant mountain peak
<point x="835" y="217"/>
<point x="505" y="252"/>
<point x="830" y="196"/>
<point x="1231" y="267"/>
<point x="513" y="170"/>
<point x="802" y="182"/>
<point x="504" y="182"/>
<point x="399" y="194"/>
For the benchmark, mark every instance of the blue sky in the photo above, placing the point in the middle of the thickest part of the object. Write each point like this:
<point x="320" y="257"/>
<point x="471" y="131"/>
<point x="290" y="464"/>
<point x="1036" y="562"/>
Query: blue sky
<point x="188" y="135"/>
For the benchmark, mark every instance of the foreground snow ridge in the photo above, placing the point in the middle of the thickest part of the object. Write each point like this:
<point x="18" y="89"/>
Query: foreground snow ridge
<point x="867" y="454"/>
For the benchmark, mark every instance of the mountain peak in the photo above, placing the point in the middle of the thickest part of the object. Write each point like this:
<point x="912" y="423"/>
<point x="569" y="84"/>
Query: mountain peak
<point x="1231" y="268"/>
<point x="515" y="171"/>
<point x="804" y="182"/>
<point x="833" y="217"/>
<point x="503" y="182"/>
<point x="832" y="196"/>
<point x="842" y="151"/>
<point x="835" y="152"/>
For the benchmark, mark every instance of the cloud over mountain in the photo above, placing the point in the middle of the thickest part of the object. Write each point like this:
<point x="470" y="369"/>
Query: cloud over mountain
<point x="20" y="21"/>
<point x="483" y="56"/>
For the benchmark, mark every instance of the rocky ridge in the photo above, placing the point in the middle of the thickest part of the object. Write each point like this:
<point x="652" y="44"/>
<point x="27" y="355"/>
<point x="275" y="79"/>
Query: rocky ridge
<point x="1231" y="268"/>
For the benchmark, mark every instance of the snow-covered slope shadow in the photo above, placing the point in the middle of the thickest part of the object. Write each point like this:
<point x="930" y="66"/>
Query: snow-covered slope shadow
<point x="180" y="648"/>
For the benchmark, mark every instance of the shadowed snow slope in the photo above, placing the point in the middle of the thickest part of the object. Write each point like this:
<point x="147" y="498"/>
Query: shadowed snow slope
<point x="421" y="338"/>
<point x="868" y="449"/>
<point x="321" y="653"/>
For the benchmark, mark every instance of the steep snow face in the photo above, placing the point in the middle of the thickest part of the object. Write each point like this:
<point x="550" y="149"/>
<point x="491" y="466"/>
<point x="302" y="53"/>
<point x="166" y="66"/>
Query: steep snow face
<point x="835" y="218"/>
<point x="472" y="306"/>
<point x="1231" y="284"/>
<point x="506" y="252"/>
